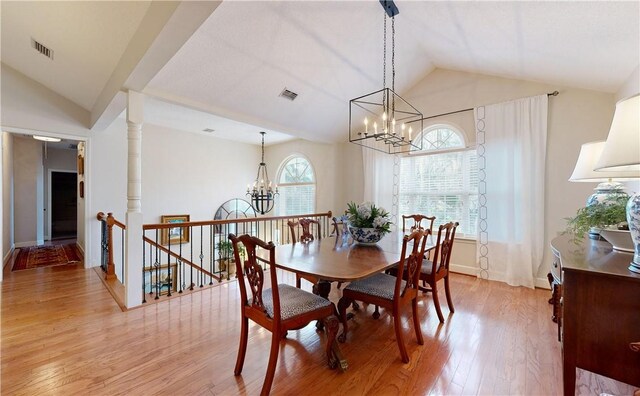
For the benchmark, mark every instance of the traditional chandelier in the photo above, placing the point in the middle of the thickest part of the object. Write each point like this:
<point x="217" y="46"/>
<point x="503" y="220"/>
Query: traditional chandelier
<point x="383" y="120"/>
<point x="262" y="195"/>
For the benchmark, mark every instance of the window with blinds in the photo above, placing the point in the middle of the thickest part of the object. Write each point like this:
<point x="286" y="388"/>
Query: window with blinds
<point x="442" y="184"/>
<point x="296" y="184"/>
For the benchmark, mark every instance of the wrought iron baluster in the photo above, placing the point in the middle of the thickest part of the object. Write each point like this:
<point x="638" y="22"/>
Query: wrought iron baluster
<point x="144" y="292"/>
<point x="180" y="269"/>
<point x="168" y="267"/>
<point x="157" y="269"/>
<point x="122" y="260"/>
<point x="191" y="258"/>
<point x="201" y="258"/>
<point x="211" y="255"/>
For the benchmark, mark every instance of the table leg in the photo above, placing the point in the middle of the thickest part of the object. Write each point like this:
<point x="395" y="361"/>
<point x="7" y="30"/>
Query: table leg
<point x="322" y="289"/>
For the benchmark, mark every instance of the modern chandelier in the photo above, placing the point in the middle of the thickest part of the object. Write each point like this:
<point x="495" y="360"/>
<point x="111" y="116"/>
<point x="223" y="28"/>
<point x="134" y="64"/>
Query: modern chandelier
<point x="383" y="120"/>
<point x="262" y="195"/>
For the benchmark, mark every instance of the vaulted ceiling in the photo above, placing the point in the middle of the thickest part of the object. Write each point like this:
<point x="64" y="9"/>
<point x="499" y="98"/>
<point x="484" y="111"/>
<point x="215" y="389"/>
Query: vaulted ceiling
<point x="241" y="55"/>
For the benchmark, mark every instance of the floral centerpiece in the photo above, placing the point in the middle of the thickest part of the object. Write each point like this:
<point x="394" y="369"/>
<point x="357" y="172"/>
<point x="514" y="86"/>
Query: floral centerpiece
<point x="367" y="222"/>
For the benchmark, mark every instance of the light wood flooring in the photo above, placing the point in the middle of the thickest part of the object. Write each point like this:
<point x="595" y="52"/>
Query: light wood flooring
<point x="62" y="333"/>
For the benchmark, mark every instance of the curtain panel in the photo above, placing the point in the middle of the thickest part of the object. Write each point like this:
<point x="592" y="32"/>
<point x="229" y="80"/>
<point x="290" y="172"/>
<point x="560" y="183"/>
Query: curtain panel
<point x="511" y="139"/>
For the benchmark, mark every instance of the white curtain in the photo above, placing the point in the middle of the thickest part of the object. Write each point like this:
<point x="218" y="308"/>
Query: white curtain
<point x="378" y="178"/>
<point x="512" y="139"/>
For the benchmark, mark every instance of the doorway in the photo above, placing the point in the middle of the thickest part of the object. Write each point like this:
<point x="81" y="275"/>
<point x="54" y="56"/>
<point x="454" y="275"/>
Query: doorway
<point x="64" y="205"/>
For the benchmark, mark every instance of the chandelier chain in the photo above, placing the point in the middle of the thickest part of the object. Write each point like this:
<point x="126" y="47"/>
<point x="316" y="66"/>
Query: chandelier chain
<point x="393" y="62"/>
<point x="384" y="59"/>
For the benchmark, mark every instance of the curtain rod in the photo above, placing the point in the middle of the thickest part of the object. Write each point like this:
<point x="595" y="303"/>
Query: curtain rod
<point x="554" y="93"/>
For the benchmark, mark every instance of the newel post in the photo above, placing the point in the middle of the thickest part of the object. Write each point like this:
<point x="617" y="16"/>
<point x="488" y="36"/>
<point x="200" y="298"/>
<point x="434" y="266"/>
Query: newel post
<point x="111" y="267"/>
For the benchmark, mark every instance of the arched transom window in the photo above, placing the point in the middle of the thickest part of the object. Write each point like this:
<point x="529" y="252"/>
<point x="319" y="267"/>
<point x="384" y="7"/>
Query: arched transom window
<point x="297" y="186"/>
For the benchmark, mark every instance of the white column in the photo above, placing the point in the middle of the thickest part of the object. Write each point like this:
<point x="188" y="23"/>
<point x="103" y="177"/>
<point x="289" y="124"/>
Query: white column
<point x="133" y="262"/>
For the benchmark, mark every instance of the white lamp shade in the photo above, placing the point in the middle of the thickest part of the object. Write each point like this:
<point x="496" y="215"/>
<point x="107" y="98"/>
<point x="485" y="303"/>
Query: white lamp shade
<point x="622" y="149"/>
<point x="589" y="155"/>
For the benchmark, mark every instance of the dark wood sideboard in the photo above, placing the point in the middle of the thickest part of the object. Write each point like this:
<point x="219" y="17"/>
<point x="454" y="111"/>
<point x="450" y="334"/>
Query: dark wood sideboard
<point x="597" y="307"/>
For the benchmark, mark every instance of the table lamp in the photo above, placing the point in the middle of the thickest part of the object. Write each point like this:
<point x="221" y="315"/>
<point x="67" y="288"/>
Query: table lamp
<point x="622" y="153"/>
<point x="609" y="188"/>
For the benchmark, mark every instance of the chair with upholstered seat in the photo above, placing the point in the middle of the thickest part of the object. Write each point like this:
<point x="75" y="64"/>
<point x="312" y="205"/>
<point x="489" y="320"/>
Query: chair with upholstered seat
<point x="390" y="292"/>
<point x="433" y="271"/>
<point x="277" y="309"/>
<point x="305" y="237"/>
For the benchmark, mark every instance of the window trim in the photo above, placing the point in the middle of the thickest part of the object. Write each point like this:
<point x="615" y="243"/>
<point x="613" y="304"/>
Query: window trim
<point x="283" y="163"/>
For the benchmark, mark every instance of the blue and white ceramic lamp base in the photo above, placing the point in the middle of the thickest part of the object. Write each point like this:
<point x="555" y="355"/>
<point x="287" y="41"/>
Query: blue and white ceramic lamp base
<point x="633" y="218"/>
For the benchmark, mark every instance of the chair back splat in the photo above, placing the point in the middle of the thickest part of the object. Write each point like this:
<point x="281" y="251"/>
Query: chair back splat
<point x="417" y="222"/>
<point x="306" y="235"/>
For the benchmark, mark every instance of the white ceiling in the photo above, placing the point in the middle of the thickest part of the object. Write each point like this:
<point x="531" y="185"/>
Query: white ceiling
<point x="87" y="37"/>
<point x="245" y="53"/>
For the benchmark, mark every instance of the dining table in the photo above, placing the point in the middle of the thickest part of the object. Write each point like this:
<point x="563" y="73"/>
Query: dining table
<point x="340" y="259"/>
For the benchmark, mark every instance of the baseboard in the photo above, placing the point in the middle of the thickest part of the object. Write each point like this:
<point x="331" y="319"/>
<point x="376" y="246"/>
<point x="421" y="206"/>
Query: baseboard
<point x="81" y="249"/>
<point x="5" y="259"/>
<point x="26" y="244"/>
<point x="541" y="283"/>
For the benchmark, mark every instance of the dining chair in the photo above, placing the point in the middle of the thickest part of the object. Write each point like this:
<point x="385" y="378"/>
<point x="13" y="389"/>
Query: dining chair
<point x="390" y="292"/>
<point x="277" y="309"/>
<point x="417" y="222"/>
<point x="433" y="271"/>
<point x="305" y="237"/>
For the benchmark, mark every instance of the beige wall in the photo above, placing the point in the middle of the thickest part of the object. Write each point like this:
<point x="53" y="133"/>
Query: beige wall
<point x="28" y="191"/>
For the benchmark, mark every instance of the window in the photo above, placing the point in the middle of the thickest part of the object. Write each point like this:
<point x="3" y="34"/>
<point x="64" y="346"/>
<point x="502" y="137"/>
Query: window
<point x="297" y="187"/>
<point x="442" y="180"/>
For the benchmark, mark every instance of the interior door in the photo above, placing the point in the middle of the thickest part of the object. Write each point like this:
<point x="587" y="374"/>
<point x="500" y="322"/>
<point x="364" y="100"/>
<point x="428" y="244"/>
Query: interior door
<point x="64" y="205"/>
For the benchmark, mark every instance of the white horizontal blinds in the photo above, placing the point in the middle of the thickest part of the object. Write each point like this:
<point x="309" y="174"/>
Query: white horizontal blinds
<point x="444" y="185"/>
<point x="297" y="188"/>
<point x="296" y="199"/>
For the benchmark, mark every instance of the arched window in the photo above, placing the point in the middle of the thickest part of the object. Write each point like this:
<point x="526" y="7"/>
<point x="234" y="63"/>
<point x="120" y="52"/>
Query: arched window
<point x="297" y="187"/>
<point x="441" y="180"/>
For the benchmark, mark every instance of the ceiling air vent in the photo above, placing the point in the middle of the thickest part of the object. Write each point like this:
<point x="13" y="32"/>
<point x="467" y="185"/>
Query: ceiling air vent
<point x="288" y="94"/>
<point x="42" y="49"/>
<point x="209" y="130"/>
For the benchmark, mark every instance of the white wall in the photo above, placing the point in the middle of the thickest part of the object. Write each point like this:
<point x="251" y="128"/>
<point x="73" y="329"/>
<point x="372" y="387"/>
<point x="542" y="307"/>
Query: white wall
<point x="28" y="191"/>
<point x="55" y="160"/>
<point x="323" y="158"/>
<point x="27" y="104"/>
<point x="631" y="86"/>
<point x="182" y="173"/>
<point x="575" y="116"/>
<point x="7" y="194"/>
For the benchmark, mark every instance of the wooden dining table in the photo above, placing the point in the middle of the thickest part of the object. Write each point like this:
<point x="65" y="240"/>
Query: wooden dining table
<point x="340" y="259"/>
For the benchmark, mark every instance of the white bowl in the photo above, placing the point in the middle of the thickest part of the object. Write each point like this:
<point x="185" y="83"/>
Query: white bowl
<point x="620" y="239"/>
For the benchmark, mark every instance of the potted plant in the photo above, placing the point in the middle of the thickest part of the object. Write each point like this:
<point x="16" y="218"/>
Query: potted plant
<point x="367" y="222"/>
<point x="608" y="214"/>
<point x="225" y="253"/>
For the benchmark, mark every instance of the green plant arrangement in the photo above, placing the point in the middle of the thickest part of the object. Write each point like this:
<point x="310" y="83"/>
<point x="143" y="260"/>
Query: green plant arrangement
<point x="368" y="215"/>
<point x="225" y="252"/>
<point x="606" y="214"/>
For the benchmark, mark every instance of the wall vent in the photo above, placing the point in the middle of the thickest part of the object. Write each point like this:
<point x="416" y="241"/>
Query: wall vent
<point x="42" y="48"/>
<point x="288" y="94"/>
<point x="209" y="130"/>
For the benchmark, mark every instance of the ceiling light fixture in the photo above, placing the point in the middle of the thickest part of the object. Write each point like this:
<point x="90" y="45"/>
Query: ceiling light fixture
<point x="262" y="195"/>
<point x="382" y="120"/>
<point x="46" y="138"/>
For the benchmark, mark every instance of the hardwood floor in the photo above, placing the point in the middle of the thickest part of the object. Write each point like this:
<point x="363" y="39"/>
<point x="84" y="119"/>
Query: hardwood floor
<point x="62" y="333"/>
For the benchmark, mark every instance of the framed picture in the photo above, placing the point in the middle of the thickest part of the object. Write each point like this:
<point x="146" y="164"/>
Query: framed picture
<point x="176" y="234"/>
<point x="159" y="281"/>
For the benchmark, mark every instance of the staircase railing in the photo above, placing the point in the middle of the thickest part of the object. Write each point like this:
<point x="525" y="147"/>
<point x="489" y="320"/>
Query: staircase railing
<point x="108" y="246"/>
<point x="189" y="255"/>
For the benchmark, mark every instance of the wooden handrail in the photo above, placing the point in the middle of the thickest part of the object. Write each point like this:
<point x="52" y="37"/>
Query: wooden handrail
<point x="161" y="226"/>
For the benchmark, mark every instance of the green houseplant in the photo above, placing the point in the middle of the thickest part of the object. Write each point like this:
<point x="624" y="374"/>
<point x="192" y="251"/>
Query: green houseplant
<point x="607" y="214"/>
<point x="225" y="253"/>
